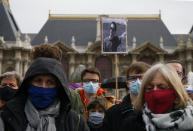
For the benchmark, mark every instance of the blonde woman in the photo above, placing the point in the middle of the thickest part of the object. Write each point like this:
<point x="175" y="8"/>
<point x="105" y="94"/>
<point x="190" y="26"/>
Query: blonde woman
<point x="163" y="102"/>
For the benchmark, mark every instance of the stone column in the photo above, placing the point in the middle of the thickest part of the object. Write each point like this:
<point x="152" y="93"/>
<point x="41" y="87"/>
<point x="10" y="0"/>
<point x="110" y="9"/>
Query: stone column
<point x="189" y="66"/>
<point x="161" y="58"/>
<point x="188" y="55"/>
<point x="181" y="57"/>
<point x="89" y="62"/>
<point x="1" y="59"/>
<point x="189" y="60"/>
<point x="71" y="64"/>
<point x="25" y="67"/>
<point x="17" y="61"/>
<point x="134" y="58"/>
<point x="98" y="29"/>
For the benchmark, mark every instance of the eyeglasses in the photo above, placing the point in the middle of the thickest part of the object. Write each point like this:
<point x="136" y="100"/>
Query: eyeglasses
<point x="134" y="78"/>
<point x="180" y="73"/>
<point x="91" y="80"/>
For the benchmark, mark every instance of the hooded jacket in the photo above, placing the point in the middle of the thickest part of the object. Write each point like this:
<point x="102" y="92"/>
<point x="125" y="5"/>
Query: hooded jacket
<point x="13" y="114"/>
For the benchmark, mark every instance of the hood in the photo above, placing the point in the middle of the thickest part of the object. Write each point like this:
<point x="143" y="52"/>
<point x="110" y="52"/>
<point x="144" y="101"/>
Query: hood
<point x="48" y="66"/>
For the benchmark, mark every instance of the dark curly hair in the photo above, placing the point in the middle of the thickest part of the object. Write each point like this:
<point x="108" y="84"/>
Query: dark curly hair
<point x="47" y="50"/>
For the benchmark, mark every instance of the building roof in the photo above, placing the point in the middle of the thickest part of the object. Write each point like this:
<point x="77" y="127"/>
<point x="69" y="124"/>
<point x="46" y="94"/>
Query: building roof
<point x="31" y="35"/>
<point x="191" y="31"/>
<point x="83" y="28"/>
<point x="184" y="37"/>
<point x="8" y="25"/>
<point x="63" y="30"/>
<point x="149" y="30"/>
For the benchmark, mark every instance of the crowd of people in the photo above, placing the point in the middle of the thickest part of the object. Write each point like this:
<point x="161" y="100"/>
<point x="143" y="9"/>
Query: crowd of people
<point x="156" y="100"/>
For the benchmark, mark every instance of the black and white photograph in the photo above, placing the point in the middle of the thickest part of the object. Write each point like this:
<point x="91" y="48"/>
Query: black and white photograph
<point x="114" y="35"/>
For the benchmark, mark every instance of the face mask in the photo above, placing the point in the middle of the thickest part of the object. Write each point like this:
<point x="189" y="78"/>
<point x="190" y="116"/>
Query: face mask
<point x="160" y="101"/>
<point x="90" y="88"/>
<point x="180" y="78"/>
<point x="96" y="117"/>
<point x="7" y="93"/>
<point x="41" y="97"/>
<point x="134" y="87"/>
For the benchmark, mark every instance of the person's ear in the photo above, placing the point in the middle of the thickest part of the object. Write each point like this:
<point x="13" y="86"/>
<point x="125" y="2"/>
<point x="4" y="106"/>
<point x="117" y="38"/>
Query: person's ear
<point x="127" y="83"/>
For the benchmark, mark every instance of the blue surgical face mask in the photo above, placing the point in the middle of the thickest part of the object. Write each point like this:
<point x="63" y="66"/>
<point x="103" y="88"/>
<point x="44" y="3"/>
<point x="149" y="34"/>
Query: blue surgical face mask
<point x="134" y="87"/>
<point x="90" y="88"/>
<point x="96" y="117"/>
<point x="180" y="78"/>
<point x="41" y="97"/>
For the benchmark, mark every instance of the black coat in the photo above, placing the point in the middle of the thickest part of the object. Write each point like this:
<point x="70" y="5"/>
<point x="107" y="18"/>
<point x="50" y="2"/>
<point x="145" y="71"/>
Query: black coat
<point x="13" y="114"/>
<point x="122" y="117"/>
<point x="94" y="127"/>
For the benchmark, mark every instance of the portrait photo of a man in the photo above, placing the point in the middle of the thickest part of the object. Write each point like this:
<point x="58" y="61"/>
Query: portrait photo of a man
<point x="114" y="35"/>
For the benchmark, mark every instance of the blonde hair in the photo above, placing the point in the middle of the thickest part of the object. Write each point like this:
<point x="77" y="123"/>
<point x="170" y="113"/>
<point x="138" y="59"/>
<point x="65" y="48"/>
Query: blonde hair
<point x="171" y="77"/>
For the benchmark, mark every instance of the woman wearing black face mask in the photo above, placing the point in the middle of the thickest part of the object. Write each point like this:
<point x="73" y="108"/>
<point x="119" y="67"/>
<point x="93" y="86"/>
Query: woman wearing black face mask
<point x="42" y="102"/>
<point x="9" y="84"/>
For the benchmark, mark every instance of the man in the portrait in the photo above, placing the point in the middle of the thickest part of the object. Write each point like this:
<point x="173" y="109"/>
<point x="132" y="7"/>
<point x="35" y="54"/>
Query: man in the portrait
<point x="112" y="42"/>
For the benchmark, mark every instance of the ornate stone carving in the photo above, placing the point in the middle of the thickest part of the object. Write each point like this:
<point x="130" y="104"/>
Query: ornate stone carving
<point x="161" y="42"/>
<point x="134" y="42"/>
<point x="46" y="39"/>
<point x="73" y="42"/>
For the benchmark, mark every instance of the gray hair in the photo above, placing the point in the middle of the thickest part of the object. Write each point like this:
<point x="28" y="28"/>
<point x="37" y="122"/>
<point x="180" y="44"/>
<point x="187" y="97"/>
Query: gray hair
<point x="11" y="74"/>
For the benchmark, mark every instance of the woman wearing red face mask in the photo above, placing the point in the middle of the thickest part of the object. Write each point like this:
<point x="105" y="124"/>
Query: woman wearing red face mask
<point x="163" y="104"/>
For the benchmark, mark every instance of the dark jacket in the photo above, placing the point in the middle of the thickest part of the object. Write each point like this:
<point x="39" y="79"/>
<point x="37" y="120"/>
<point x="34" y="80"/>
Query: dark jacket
<point x="94" y="127"/>
<point x="123" y="115"/>
<point x="13" y="114"/>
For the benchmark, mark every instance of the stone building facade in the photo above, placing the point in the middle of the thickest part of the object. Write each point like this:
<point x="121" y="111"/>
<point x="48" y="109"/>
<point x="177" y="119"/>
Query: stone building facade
<point x="152" y="43"/>
<point x="79" y="38"/>
<point x="15" y="48"/>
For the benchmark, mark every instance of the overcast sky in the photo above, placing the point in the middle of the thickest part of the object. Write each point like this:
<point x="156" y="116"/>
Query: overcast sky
<point x="31" y="15"/>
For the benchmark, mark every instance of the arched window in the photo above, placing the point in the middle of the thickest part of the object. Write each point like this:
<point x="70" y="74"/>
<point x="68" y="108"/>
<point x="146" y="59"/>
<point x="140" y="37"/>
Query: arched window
<point x="104" y="65"/>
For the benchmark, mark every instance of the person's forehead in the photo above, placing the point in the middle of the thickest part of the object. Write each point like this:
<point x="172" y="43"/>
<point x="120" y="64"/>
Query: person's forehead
<point x="177" y="66"/>
<point x="46" y="76"/>
<point x="8" y="79"/>
<point x="91" y="76"/>
<point x="98" y="107"/>
<point x="134" y="73"/>
<point x="158" y="78"/>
